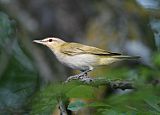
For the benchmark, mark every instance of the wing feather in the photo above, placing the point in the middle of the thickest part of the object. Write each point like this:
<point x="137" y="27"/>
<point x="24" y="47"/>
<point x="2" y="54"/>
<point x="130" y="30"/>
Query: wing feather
<point x="76" y="49"/>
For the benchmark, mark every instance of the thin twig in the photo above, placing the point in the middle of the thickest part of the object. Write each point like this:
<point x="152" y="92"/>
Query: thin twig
<point x="113" y="84"/>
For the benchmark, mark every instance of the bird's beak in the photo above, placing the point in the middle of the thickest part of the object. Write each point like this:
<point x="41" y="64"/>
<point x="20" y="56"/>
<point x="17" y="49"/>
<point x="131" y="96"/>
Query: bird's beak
<point x="38" y="41"/>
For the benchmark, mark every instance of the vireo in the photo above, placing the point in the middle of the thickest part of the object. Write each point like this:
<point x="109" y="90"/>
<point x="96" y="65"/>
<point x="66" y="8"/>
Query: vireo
<point x="79" y="56"/>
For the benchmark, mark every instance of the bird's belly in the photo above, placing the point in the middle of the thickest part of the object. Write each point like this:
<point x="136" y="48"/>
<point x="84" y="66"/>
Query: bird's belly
<point x="80" y="62"/>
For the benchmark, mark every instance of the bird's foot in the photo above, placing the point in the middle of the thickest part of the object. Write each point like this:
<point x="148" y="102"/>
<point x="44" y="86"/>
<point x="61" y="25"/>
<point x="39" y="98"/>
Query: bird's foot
<point x="78" y="76"/>
<point x="82" y="77"/>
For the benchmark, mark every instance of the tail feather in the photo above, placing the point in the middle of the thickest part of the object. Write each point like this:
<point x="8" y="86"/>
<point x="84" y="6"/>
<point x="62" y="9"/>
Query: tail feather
<point x="112" y="59"/>
<point x="125" y="57"/>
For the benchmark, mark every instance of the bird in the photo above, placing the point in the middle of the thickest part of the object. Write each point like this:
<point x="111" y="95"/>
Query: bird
<point x="81" y="57"/>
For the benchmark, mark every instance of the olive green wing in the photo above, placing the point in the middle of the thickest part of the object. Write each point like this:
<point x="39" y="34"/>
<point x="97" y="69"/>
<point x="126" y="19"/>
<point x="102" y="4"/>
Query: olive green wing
<point x="76" y="49"/>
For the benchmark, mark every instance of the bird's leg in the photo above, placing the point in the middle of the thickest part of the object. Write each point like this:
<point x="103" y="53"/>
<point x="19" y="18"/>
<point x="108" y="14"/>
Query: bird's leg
<point x="85" y="73"/>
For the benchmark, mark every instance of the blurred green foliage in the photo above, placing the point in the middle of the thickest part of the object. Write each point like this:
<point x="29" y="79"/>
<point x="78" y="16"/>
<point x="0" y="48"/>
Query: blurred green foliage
<point x="18" y="80"/>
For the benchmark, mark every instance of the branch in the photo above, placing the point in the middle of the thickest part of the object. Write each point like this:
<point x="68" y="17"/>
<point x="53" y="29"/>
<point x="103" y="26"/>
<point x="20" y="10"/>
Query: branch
<point x="62" y="108"/>
<point x="113" y="84"/>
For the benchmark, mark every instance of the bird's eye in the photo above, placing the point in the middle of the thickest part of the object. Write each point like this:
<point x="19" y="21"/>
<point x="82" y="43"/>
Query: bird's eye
<point x="50" y="40"/>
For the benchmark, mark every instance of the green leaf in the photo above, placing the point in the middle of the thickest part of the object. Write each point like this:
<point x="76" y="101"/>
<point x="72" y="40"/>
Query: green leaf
<point x="82" y="91"/>
<point x="45" y="101"/>
<point x="98" y="104"/>
<point x="77" y="105"/>
<point x="153" y="101"/>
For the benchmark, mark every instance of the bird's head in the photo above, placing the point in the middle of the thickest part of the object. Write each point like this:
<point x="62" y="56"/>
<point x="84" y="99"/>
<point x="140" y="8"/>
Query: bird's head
<point x="50" y="42"/>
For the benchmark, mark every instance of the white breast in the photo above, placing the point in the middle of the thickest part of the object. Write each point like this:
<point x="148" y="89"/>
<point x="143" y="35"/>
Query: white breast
<point x="80" y="62"/>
